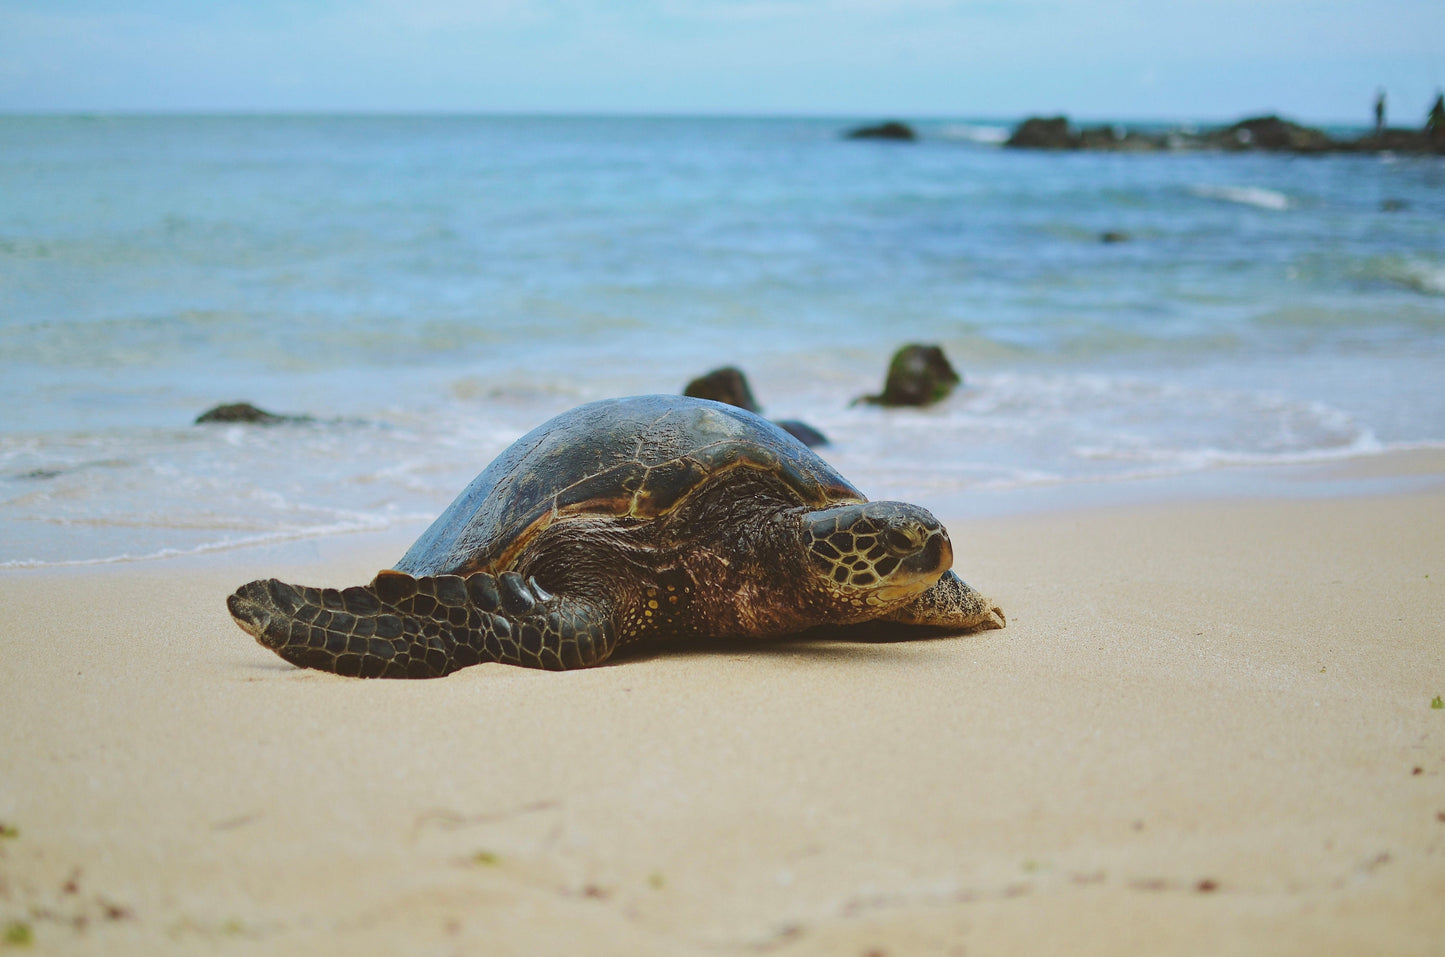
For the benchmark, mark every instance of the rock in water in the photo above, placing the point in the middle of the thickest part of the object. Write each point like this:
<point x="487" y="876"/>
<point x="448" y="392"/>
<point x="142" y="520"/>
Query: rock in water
<point x="892" y="130"/>
<point x="1044" y="133"/>
<point x="1274" y="134"/>
<point x="917" y="375"/>
<point x="247" y="413"/>
<point x="803" y="432"/>
<point x="727" y="384"/>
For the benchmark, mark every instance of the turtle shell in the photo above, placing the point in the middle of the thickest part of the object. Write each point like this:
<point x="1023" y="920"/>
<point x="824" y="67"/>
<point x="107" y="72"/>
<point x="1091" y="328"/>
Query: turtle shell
<point x="633" y="459"/>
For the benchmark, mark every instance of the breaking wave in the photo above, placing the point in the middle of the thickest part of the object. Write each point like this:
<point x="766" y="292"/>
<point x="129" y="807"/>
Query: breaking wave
<point x="1256" y="196"/>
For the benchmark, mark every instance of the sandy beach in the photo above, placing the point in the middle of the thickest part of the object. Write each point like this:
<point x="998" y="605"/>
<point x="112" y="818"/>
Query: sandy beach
<point x="1207" y="729"/>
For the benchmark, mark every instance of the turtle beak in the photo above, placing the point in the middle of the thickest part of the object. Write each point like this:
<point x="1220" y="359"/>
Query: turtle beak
<point x="920" y="570"/>
<point x="934" y="558"/>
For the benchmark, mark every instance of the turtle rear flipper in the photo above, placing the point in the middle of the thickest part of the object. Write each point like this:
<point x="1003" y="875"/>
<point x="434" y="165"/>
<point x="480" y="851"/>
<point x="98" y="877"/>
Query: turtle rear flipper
<point x="405" y="627"/>
<point x="952" y="604"/>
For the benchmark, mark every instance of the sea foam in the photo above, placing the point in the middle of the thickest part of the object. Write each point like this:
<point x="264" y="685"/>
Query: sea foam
<point x="1256" y="196"/>
<point x="426" y="289"/>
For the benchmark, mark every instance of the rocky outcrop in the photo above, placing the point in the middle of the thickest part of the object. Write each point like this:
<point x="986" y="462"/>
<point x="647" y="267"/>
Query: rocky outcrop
<point x="247" y="413"/>
<point x="892" y="130"/>
<point x="1274" y="135"/>
<point x="917" y="375"/>
<point x="1120" y="140"/>
<point x="727" y="384"/>
<point x="1056" y="133"/>
<point x="1261" y="133"/>
<point x="1395" y="141"/>
<point x="803" y="432"/>
<point x="1044" y="133"/>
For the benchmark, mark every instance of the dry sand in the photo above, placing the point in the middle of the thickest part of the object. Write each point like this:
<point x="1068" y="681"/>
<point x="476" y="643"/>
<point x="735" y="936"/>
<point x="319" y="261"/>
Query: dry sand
<point x="1207" y="729"/>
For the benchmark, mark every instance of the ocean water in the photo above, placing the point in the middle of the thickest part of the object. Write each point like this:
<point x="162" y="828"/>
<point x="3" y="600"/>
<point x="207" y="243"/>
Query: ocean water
<point x="429" y="288"/>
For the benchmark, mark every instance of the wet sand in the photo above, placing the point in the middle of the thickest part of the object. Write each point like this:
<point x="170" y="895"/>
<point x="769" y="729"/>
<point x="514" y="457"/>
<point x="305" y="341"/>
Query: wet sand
<point x="1207" y="729"/>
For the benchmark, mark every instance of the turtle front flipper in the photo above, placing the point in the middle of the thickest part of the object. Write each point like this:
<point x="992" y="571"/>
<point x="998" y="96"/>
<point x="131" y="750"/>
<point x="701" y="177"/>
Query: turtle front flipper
<point x="405" y="627"/>
<point x="951" y="604"/>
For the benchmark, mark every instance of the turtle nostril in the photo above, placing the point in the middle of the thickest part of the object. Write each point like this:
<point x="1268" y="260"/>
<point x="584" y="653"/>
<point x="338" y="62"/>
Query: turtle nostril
<point x="933" y="554"/>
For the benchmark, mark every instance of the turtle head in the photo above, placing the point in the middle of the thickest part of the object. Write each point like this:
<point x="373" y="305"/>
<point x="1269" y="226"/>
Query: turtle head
<point x="876" y="555"/>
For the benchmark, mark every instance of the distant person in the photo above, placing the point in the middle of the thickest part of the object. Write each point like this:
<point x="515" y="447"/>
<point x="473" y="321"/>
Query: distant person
<point x="1379" y="112"/>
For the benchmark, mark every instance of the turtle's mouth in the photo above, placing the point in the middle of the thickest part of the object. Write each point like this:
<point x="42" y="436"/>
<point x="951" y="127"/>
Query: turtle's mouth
<point x="895" y="592"/>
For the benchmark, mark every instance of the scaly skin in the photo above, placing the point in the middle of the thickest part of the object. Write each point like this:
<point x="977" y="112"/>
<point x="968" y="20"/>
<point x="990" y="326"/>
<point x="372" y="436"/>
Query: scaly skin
<point x="776" y="574"/>
<point x="405" y="627"/>
<point x="953" y="604"/>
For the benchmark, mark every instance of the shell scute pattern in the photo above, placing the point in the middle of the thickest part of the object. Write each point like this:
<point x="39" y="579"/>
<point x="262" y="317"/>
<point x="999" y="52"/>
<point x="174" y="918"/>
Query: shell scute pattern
<point x="639" y="462"/>
<point x="664" y="486"/>
<point x="610" y="490"/>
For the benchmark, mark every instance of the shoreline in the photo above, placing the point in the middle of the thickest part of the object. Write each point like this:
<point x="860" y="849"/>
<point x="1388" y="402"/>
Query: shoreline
<point x="1207" y="728"/>
<point x="1352" y="475"/>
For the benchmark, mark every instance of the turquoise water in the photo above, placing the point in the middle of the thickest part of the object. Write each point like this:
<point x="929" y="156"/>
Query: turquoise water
<point x="429" y="288"/>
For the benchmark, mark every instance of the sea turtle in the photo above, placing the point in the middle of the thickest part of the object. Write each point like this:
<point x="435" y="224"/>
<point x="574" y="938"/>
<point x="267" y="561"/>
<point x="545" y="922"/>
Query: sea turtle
<point x="618" y="522"/>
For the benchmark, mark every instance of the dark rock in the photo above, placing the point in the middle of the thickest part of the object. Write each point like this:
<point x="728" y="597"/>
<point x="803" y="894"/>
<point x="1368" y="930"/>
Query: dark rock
<point x="247" y="413"/>
<point x="917" y="375"/>
<point x="803" y="432"/>
<point x="727" y="384"/>
<point x="1099" y="138"/>
<point x="1044" y="133"/>
<point x="1119" y="140"/>
<point x="1276" y="135"/>
<point x="1391" y="141"/>
<point x="1055" y="133"/>
<point x="892" y="130"/>
<point x="1266" y="133"/>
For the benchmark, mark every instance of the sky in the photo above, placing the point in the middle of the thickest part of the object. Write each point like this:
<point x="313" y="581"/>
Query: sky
<point x="1316" y="61"/>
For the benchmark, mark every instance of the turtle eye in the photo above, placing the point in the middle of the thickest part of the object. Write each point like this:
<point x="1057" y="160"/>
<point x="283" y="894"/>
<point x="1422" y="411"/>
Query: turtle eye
<point x="902" y="539"/>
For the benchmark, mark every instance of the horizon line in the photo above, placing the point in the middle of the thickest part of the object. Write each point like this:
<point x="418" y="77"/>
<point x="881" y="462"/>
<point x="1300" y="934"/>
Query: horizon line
<point x="545" y="113"/>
